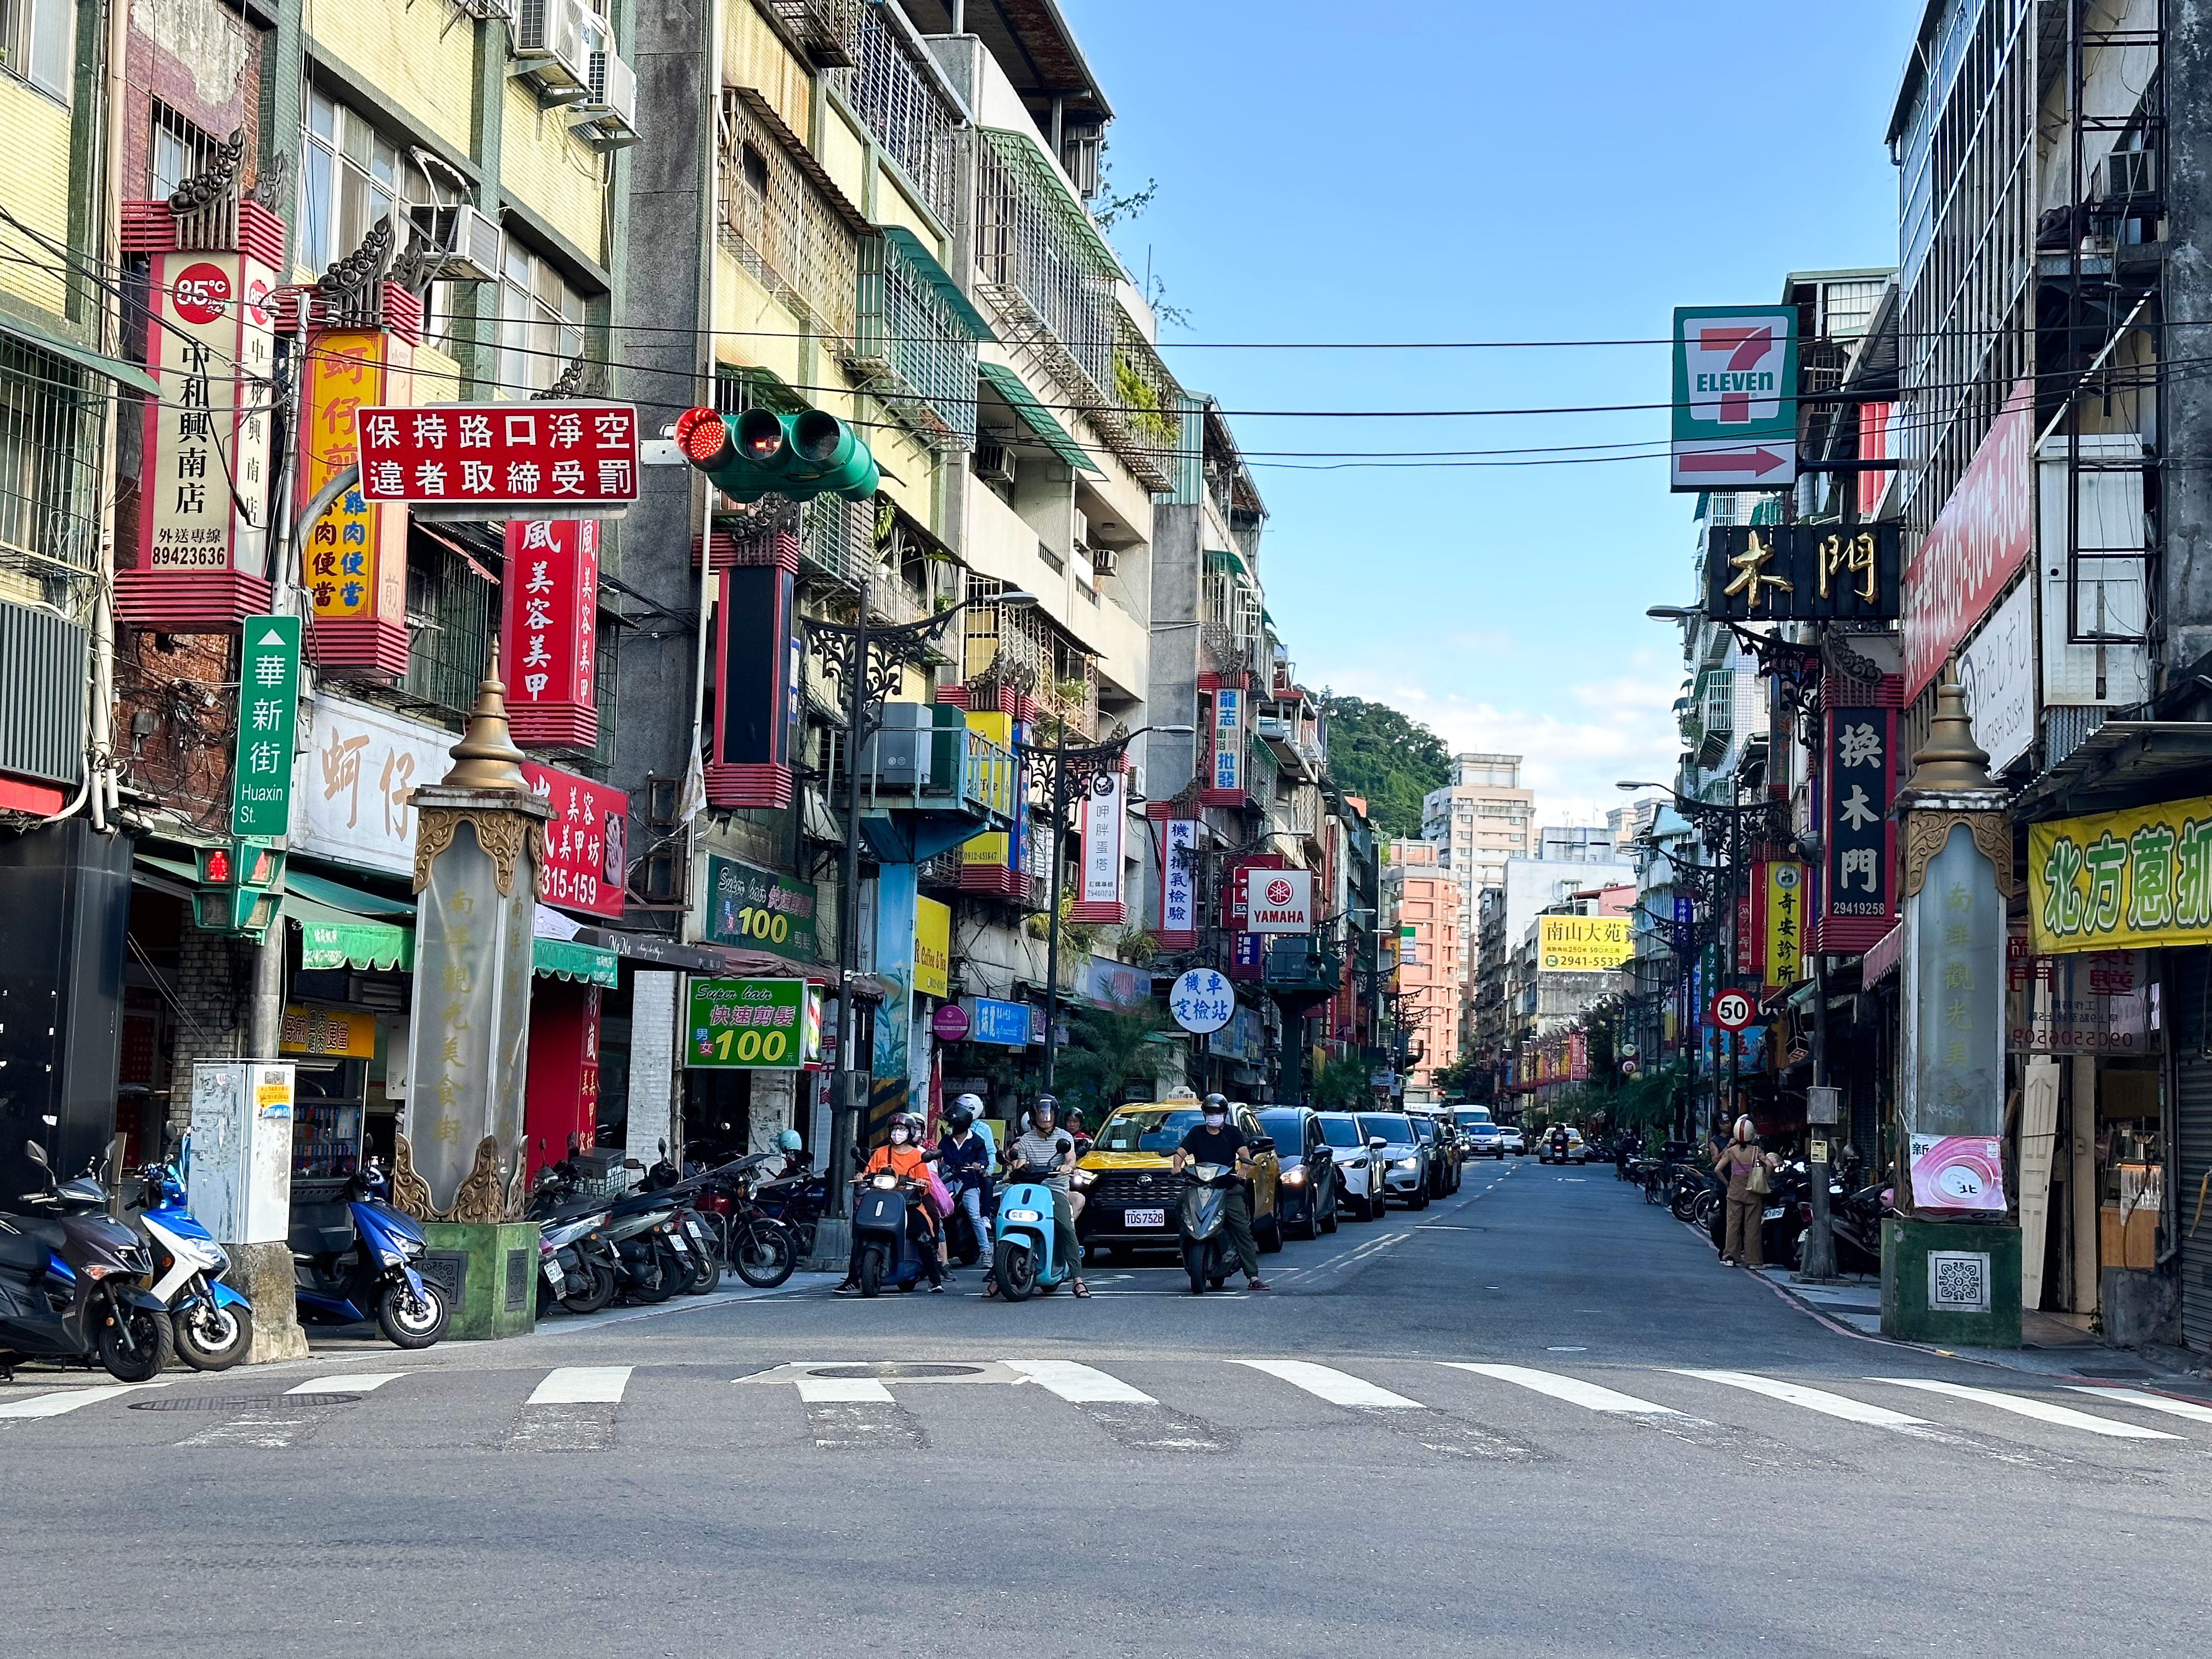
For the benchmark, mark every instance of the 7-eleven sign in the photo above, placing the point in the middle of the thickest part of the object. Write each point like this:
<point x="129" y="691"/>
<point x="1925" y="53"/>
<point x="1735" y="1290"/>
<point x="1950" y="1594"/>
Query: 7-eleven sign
<point x="1734" y="398"/>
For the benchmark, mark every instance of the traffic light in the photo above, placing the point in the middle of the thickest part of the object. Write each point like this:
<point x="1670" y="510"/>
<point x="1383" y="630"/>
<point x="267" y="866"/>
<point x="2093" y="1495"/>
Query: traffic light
<point x="796" y="456"/>
<point x="241" y="884"/>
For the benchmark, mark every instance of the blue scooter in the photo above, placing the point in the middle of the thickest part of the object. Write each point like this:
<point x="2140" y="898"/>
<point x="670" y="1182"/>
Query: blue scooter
<point x="1025" y="1260"/>
<point x="353" y="1261"/>
<point x="214" y="1323"/>
<point x="887" y="1257"/>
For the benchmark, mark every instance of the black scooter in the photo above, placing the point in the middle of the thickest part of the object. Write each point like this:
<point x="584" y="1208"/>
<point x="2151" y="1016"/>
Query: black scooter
<point x="70" y="1284"/>
<point x="1203" y="1217"/>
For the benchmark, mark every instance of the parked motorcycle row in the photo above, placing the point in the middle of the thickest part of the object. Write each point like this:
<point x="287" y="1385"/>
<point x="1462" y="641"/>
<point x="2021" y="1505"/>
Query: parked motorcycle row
<point x="1679" y="1177"/>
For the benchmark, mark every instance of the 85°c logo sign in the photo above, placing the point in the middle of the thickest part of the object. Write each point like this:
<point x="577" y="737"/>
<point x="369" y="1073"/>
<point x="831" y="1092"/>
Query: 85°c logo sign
<point x="1732" y="1011"/>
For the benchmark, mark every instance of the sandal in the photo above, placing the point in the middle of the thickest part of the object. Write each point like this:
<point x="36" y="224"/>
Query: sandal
<point x="1082" y="1290"/>
<point x="990" y="1287"/>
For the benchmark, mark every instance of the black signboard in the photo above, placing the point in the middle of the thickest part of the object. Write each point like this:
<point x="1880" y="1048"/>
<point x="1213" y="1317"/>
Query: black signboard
<point x="1803" y="572"/>
<point x="1858" y="776"/>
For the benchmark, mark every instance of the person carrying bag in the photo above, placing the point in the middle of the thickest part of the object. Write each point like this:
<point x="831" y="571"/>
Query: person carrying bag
<point x="1745" y="1167"/>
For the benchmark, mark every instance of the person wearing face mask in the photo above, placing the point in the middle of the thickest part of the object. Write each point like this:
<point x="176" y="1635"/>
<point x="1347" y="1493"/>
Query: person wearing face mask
<point x="1215" y="1139"/>
<point x="903" y="1157"/>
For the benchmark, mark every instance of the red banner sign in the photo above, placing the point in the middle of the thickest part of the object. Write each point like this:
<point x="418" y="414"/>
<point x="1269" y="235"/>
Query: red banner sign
<point x="585" y="841"/>
<point x="549" y="632"/>
<point x="569" y="457"/>
<point x="1984" y="534"/>
<point x="205" y="478"/>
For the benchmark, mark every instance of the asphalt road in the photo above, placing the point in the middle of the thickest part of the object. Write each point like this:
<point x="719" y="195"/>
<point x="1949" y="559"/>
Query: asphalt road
<point x="1323" y="1470"/>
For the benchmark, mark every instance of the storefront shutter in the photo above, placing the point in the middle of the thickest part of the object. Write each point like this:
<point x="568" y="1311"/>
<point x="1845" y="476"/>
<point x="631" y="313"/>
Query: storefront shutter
<point x="2191" y="1160"/>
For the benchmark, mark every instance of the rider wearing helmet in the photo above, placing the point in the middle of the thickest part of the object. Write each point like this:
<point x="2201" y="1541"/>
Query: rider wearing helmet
<point x="973" y="1105"/>
<point x="1215" y="1139"/>
<point x="963" y="1163"/>
<point x="1047" y="1148"/>
<point x="903" y="1157"/>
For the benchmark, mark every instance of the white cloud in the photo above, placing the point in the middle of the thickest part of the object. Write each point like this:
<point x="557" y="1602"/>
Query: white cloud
<point x="1573" y="750"/>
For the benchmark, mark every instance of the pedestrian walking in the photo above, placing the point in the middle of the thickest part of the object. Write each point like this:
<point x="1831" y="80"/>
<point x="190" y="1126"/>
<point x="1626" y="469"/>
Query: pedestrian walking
<point x="1746" y="1168"/>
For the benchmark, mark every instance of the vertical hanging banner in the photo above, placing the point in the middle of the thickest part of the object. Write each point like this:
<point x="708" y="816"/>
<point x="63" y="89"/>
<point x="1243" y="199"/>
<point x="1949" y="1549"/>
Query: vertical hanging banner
<point x="992" y="863"/>
<point x="549" y="632"/>
<point x="1751" y="927"/>
<point x="1179" y="885"/>
<point x="1785" y="885"/>
<point x="932" y="947"/>
<point x="353" y="560"/>
<point x="1858" y="899"/>
<point x="1103" y="815"/>
<point x="268" y="720"/>
<point x="1983" y="533"/>
<point x="203" y="483"/>
<point x="1223" y="784"/>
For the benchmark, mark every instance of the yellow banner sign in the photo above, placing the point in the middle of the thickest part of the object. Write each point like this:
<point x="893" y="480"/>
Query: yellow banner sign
<point x="932" y="946"/>
<point x="1581" y="945"/>
<point x="2141" y="876"/>
<point x="328" y="1031"/>
<point x="1785" y="923"/>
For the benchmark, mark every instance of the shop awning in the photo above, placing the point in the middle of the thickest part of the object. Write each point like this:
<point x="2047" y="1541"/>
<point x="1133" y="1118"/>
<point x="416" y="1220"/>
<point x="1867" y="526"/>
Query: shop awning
<point x="112" y="369"/>
<point x="2122" y="763"/>
<point x="340" y="897"/>
<point x="1034" y="416"/>
<point x="331" y="938"/>
<point x="583" y="964"/>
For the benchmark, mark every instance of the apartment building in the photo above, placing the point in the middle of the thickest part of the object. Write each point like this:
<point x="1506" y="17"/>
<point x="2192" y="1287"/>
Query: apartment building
<point x="1422" y="903"/>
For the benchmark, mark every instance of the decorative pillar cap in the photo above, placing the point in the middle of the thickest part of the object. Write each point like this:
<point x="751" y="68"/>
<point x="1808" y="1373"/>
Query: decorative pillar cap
<point x="1950" y="761"/>
<point x="486" y="757"/>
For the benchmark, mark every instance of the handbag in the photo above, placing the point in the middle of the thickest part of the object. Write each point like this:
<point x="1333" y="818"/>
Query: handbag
<point x="1757" y="1182"/>
<point x="939" y="1199"/>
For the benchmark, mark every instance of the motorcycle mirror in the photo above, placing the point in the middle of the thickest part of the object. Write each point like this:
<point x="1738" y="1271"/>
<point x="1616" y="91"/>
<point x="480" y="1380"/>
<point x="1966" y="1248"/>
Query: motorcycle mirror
<point x="632" y="1164"/>
<point x="37" y="1154"/>
<point x="664" y="1149"/>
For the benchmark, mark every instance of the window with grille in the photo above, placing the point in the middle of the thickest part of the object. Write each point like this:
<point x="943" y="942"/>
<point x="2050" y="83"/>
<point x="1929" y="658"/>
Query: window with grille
<point x="176" y="150"/>
<point x="450" y="619"/>
<point x="887" y="88"/>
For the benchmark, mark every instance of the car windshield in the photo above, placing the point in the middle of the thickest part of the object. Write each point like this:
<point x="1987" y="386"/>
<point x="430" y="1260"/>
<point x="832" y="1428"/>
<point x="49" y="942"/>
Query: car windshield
<point x="1146" y="1129"/>
<point x="1339" y="1131"/>
<point x="1394" y="1129"/>
<point x="1289" y="1134"/>
<point x="1474" y="1121"/>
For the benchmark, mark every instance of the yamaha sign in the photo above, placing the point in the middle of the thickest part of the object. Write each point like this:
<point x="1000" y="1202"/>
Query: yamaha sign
<point x="1279" y="900"/>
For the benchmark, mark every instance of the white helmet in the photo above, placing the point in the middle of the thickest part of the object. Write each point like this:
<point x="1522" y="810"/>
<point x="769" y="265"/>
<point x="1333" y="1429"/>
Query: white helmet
<point x="971" y="1104"/>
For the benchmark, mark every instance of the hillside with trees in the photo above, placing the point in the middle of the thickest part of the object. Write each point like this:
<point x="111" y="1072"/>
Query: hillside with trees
<point x="1385" y="758"/>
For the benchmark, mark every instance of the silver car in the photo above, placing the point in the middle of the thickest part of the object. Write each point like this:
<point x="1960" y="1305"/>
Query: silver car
<point x="1355" y="1165"/>
<point x="1403" y="1154"/>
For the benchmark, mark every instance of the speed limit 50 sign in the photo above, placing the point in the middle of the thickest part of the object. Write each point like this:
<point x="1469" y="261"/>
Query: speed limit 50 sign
<point x="1732" y="1011"/>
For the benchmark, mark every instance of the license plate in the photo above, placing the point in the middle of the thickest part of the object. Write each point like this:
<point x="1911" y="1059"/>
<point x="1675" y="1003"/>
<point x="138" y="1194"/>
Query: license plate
<point x="1144" y="1218"/>
<point x="677" y="1239"/>
<point x="1772" y="1215"/>
<point x="552" y="1271"/>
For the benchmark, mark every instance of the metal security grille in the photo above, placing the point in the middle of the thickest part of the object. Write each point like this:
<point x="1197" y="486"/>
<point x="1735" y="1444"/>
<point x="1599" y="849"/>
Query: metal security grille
<point x="889" y="87"/>
<point x="835" y="537"/>
<point x="2190" y="1160"/>
<point x="49" y="479"/>
<point x="450" y="619"/>
<point x="919" y="355"/>
<point x="42" y="673"/>
<point x="782" y="219"/>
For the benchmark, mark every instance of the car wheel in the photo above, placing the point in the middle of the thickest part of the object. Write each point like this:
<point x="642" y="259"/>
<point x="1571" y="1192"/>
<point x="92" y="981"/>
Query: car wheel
<point x="1269" y="1237"/>
<point x="1419" y="1201"/>
<point x="1330" y="1221"/>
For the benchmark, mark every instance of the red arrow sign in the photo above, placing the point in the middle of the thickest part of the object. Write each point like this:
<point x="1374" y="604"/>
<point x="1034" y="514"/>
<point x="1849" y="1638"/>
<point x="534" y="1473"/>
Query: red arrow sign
<point x="1757" y="462"/>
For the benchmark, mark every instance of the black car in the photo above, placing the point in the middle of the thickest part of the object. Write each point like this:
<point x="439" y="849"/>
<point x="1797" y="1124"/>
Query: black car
<point x="1306" y="1191"/>
<point x="1443" y="1153"/>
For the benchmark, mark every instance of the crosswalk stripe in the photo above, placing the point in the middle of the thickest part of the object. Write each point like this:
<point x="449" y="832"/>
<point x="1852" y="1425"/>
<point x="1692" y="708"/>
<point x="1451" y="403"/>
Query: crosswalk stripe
<point x="1573" y="1390"/>
<point x="1816" y="1399"/>
<point x="843" y="1391"/>
<point x="2156" y="1402"/>
<point x="352" y="1382"/>
<point x="2043" y="1411"/>
<point x="1338" y="1387"/>
<point x="582" y="1385"/>
<point x="70" y="1400"/>
<point x="1080" y="1385"/>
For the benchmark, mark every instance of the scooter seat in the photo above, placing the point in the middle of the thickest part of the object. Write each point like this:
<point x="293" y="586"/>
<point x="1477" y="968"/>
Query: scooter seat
<point x="320" y="1229"/>
<point x="22" y="1252"/>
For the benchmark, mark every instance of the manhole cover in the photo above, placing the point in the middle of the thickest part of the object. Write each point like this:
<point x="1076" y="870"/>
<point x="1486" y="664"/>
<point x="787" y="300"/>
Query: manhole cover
<point x="891" y="1368"/>
<point x="203" y="1402"/>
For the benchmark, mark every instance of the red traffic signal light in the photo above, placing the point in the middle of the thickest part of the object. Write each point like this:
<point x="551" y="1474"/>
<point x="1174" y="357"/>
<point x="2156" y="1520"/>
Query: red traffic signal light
<point x="703" y="435"/>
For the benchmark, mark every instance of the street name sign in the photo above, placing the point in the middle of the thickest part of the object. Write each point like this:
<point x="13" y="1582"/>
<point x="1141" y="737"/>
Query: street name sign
<point x="267" y="720"/>
<point x="1734" y="398"/>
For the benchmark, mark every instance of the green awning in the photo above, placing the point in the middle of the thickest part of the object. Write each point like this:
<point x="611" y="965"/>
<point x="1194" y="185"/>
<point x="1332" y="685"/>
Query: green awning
<point x="1034" y="416"/>
<point x="916" y="253"/>
<point x="112" y="369"/>
<point x="340" y="897"/>
<point x="564" y="959"/>
<point x="331" y="938"/>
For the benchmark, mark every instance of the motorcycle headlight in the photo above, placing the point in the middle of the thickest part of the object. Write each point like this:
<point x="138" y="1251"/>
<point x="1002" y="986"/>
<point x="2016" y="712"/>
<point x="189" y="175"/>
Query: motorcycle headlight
<point x="1024" y="1215"/>
<point x="886" y="1180"/>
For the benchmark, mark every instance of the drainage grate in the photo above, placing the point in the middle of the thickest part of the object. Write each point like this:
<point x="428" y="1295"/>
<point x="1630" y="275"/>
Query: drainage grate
<point x="893" y="1369"/>
<point x="205" y="1402"/>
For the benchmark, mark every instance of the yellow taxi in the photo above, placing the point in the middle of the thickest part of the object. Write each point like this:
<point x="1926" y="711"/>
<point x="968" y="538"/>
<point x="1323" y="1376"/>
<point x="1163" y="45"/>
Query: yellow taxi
<point x="1130" y="1193"/>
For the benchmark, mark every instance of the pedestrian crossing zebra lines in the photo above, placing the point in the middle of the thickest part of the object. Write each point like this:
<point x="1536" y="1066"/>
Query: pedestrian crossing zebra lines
<point x="1462" y="1408"/>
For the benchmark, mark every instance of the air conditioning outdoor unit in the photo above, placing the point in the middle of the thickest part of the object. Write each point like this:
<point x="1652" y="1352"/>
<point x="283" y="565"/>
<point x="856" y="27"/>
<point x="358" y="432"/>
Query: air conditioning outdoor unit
<point x="1082" y="531"/>
<point x="606" y="115"/>
<point x="463" y="242"/>
<point x="994" y="463"/>
<point x="2124" y="174"/>
<point x="549" y="46"/>
<point x="1104" y="560"/>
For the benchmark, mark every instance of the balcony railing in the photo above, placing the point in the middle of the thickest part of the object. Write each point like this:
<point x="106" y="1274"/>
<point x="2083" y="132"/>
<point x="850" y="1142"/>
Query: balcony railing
<point x="890" y="87"/>
<point x="784" y="219"/>
<point x="916" y="339"/>
<point x="925" y="758"/>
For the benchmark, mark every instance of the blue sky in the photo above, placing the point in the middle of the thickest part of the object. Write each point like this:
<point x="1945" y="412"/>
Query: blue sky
<point x="1467" y="170"/>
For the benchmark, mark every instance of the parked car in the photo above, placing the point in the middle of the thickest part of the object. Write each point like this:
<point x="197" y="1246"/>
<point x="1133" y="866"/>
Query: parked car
<point x="1130" y="1195"/>
<point x="1563" y="1145"/>
<point x="1358" y="1171"/>
<point x="1436" y="1128"/>
<point x="1306" y="1189"/>
<point x="1403" y="1154"/>
<point x="1509" y="1140"/>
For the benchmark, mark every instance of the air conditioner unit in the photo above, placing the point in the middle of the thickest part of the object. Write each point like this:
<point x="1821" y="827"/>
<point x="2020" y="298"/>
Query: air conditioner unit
<point x="548" y="47"/>
<point x="462" y="243"/>
<point x="1082" y="530"/>
<point x="1104" y="560"/>
<point x="2124" y="174"/>
<point x="606" y="115"/>
<point x="994" y="463"/>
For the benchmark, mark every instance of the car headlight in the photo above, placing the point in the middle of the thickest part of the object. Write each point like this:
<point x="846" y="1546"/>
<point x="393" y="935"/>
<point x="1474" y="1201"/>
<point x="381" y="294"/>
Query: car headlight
<point x="1409" y="1162"/>
<point x="1294" y="1177"/>
<point x="1085" y="1178"/>
<point x="1357" y="1163"/>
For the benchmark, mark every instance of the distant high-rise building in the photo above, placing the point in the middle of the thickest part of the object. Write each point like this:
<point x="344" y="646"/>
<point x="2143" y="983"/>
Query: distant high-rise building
<point x="1477" y="822"/>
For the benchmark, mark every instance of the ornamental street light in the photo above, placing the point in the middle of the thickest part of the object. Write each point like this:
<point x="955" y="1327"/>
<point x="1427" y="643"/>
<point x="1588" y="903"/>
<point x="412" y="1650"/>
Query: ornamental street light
<point x="1062" y="770"/>
<point x="868" y="662"/>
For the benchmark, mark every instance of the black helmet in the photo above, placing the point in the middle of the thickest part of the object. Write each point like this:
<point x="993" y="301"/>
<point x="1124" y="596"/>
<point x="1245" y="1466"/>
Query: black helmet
<point x="1045" y="1103"/>
<point x="961" y="1119"/>
<point x="1215" y="1104"/>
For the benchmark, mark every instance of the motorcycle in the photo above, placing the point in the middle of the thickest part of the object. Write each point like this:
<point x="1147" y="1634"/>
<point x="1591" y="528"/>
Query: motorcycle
<point x="653" y="1256"/>
<point x="214" y="1324"/>
<point x="353" y="1261"/>
<point x="1025" y="1260"/>
<point x="1202" y="1216"/>
<point x="888" y="1258"/>
<point x="1784" y="1214"/>
<point x="583" y="1276"/>
<point x="796" y="1198"/>
<point x="760" y="1248"/>
<point x="69" y="1285"/>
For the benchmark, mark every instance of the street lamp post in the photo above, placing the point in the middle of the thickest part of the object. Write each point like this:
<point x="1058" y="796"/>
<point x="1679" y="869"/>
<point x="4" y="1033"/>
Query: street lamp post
<point x="1061" y="767"/>
<point x="868" y="662"/>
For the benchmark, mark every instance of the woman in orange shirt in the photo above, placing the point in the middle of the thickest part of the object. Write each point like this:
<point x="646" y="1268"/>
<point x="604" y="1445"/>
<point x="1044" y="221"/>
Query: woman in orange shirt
<point x="904" y="1158"/>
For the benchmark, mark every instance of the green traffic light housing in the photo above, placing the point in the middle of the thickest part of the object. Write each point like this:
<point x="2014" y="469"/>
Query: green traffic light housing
<point x="795" y="456"/>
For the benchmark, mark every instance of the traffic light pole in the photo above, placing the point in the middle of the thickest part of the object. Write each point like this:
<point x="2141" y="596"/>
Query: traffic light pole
<point x="843" y="1109"/>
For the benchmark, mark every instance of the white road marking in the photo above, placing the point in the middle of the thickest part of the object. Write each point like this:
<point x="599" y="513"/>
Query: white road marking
<point x="1338" y="1387"/>
<point x="2064" y="1416"/>
<point x="582" y="1385"/>
<point x="1081" y="1385"/>
<point x="843" y="1391"/>
<point x="1813" y="1400"/>
<point x="1573" y="1390"/>
<point x="364" y="1382"/>
<point x="70" y="1400"/>
<point x="2156" y="1402"/>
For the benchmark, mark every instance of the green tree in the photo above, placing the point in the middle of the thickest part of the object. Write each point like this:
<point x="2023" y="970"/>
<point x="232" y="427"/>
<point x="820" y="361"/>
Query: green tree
<point x="1107" y="1048"/>
<point x="1387" y="759"/>
<point x="1343" y="1084"/>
